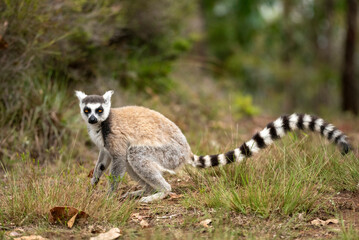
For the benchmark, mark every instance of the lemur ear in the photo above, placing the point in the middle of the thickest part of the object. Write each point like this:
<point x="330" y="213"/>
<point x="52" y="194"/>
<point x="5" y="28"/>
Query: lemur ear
<point x="80" y="95"/>
<point x="107" y="96"/>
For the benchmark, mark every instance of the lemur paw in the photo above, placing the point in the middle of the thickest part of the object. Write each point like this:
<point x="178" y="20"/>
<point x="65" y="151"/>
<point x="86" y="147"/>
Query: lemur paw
<point x="154" y="197"/>
<point x="94" y="181"/>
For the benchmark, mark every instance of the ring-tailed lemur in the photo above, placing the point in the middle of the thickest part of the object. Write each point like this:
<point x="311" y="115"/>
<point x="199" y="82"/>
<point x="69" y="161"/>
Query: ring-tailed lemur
<point x="145" y="143"/>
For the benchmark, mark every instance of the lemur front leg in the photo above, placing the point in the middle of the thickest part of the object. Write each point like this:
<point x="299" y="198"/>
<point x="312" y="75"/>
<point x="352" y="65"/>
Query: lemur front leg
<point x="117" y="171"/>
<point x="104" y="160"/>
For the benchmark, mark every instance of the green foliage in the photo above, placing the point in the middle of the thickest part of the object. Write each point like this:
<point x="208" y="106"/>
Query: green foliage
<point x="348" y="232"/>
<point x="231" y="23"/>
<point x="38" y="117"/>
<point x="52" y="47"/>
<point x="243" y="106"/>
<point x="286" y="51"/>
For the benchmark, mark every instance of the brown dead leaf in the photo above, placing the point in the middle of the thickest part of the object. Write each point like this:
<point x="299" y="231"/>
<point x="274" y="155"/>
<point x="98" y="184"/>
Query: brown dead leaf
<point x="90" y="175"/>
<point x="71" y="222"/>
<point x="111" y="234"/>
<point x="144" y="224"/>
<point x="174" y="196"/>
<point x="138" y="217"/>
<point x="206" y="223"/>
<point x="332" y="221"/>
<point x="31" y="237"/>
<point x="67" y="215"/>
<point x="135" y="216"/>
<point x="319" y="222"/>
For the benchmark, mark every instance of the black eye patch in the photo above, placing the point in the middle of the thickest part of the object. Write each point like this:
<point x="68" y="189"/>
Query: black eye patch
<point x="99" y="110"/>
<point x="87" y="110"/>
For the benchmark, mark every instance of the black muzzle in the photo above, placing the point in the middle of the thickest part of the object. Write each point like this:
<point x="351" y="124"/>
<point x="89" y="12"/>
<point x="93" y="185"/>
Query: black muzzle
<point x="92" y="119"/>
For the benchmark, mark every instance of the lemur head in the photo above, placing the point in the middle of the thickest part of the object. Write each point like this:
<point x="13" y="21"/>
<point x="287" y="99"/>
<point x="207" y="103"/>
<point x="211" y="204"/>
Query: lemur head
<point x="94" y="108"/>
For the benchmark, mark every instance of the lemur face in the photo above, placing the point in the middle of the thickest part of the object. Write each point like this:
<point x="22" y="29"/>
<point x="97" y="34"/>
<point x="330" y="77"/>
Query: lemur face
<point x="94" y="108"/>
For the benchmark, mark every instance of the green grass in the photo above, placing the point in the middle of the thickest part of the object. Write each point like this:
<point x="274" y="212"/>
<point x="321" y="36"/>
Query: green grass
<point x="348" y="232"/>
<point x="284" y="181"/>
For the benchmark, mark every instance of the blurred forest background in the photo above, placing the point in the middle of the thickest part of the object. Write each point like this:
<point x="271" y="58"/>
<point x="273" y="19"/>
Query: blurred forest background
<point x="196" y="61"/>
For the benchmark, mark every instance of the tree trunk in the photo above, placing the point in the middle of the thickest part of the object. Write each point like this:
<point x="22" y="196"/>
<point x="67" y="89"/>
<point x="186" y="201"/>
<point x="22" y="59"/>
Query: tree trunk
<point x="350" y="93"/>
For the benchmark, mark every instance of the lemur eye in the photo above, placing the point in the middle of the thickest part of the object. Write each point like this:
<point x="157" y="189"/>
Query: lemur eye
<point x="86" y="110"/>
<point x="99" y="110"/>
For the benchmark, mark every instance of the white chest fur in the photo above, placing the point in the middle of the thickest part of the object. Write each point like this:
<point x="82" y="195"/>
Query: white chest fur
<point x="96" y="135"/>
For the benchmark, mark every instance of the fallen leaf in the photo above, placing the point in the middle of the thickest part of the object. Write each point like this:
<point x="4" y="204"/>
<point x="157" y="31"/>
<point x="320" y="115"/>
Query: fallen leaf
<point x="206" y="223"/>
<point x="138" y="216"/>
<point x="111" y="234"/>
<point x="20" y="230"/>
<point x="174" y="196"/>
<point x="90" y="175"/>
<point x="144" y="224"/>
<point x="67" y="215"/>
<point x="14" y="234"/>
<point x="332" y="221"/>
<point x="31" y="237"/>
<point x="71" y="222"/>
<point x="319" y="222"/>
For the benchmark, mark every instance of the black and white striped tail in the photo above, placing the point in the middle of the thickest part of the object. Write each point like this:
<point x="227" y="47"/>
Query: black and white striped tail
<point x="273" y="131"/>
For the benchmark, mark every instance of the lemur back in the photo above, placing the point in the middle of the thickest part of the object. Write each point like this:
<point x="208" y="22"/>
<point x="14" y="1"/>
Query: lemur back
<point x="139" y="126"/>
<point x="145" y="143"/>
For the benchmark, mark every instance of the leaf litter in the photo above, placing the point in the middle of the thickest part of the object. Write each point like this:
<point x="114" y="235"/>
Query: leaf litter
<point x="109" y="235"/>
<point x="138" y="218"/>
<point x="206" y="223"/>
<point x="67" y="215"/>
<point x="319" y="222"/>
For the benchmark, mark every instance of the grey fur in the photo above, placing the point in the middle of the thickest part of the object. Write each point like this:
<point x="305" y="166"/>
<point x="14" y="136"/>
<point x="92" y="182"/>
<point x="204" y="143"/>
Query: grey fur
<point x="104" y="159"/>
<point x="144" y="162"/>
<point x="117" y="170"/>
<point x="93" y="99"/>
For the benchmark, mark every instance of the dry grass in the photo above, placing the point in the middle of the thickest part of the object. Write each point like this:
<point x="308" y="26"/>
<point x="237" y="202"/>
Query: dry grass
<point x="29" y="190"/>
<point x="276" y="193"/>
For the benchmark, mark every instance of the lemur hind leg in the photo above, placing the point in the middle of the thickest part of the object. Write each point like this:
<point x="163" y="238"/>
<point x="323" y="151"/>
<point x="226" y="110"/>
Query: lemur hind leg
<point x="146" y="188"/>
<point x="143" y="162"/>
